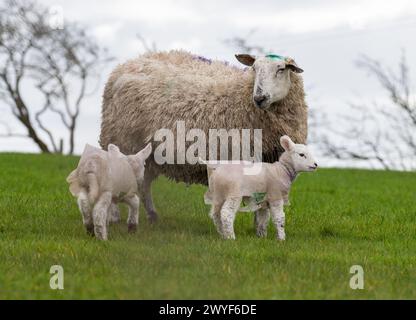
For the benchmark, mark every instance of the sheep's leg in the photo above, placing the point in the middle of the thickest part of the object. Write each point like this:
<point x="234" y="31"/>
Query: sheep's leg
<point x="146" y="195"/>
<point x="215" y="215"/>
<point x="278" y="218"/>
<point x="228" y="212"/>
<point x="99" y="215"/>
<point x="114" y="213"/>
<point x="133" y="218"/>
<point x="261" y="220"/>
<point x="85" y="208"/>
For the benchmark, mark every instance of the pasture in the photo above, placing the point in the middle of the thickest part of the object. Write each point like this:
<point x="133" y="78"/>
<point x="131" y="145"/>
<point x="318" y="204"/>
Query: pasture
<point x="338" y="218"/>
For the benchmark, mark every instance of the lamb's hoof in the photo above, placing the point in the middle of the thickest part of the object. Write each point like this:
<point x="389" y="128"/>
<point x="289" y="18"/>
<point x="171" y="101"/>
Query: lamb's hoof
<point x="152" y="217"/>
<point x="229" y="237"/>
<point x="100" y="236"/>
<point x="281" y="238"/>
<point x="132" y="228"/>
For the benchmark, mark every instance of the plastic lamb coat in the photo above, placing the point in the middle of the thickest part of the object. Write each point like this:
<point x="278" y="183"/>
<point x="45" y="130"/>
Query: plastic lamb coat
<point x="263" y="186"/>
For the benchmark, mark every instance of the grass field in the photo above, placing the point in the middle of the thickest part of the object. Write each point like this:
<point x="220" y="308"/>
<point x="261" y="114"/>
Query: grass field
<point x="338" y="218"/>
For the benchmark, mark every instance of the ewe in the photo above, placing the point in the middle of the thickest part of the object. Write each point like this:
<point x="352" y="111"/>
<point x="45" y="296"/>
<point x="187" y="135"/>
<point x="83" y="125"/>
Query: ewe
<point x="265" y="186"/>
<point x="103" y="179"/>
<point x="156" y="90"/>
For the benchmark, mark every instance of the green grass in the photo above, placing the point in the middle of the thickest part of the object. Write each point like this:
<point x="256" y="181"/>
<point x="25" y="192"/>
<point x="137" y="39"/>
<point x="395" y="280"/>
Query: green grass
<point x="338" y="218"/>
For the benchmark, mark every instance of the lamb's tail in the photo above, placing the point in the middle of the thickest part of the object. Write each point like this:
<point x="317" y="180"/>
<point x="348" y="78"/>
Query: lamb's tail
<point x="73" y="181"/>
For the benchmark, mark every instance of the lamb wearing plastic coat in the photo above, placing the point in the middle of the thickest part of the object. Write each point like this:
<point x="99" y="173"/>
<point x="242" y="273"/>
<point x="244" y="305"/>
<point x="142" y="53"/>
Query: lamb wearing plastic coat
<point x="263" y="186"/>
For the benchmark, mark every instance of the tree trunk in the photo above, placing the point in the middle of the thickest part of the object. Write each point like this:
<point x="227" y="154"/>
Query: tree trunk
<point x="25" y="120"/>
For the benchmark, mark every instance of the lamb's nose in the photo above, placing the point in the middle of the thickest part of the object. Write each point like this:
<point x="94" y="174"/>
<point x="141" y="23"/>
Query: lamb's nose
<point x="259" y="99"/>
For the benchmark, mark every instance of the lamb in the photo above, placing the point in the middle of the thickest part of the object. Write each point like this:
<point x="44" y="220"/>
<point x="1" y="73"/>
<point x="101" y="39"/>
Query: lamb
<point x="157" y="89"/>
<point x="266" y="190"/>
<point x="103" y="179"/>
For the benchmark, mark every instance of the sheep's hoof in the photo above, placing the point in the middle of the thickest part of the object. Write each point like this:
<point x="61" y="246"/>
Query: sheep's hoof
<point x="152" y="217"/>
<point x="90" y="229"/>
<point x="261" y="233"/>
<point x="132" y="228"/>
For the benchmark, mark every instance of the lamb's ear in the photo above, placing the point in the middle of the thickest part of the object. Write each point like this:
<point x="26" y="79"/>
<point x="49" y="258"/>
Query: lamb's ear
<point x="291" y="64"/>
<point x="287" y="143"/>
<point x="246" y="59"/>
<point x="113" y="148"/>
<point x="145" y="153"/>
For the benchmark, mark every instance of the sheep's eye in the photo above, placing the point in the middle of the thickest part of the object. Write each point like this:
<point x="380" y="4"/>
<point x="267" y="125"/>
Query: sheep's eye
<point x="280" y="70"/>
<point x="302" y="155"/>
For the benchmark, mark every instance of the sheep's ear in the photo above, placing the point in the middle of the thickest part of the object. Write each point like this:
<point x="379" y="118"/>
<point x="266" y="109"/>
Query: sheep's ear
<point x="291" y="64"/>
<point x="246" y="59"/>
<point x="287" y="143"/>
<point x="145" y="153"/>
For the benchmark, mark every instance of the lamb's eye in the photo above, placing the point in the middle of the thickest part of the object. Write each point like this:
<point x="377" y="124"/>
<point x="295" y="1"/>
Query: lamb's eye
<point x="280" y="71"/>
<point x="302" y="155"/>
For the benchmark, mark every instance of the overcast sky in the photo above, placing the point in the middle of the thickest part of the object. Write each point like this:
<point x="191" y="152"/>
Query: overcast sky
<point x="324" y="37"/>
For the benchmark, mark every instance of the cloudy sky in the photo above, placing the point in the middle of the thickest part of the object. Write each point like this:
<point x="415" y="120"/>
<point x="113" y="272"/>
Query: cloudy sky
<point x="325" y="38"/>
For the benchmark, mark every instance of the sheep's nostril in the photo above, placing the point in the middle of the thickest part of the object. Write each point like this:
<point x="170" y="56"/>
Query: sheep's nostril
<point x="259" y="99"/>
<point x="316" y="165"/>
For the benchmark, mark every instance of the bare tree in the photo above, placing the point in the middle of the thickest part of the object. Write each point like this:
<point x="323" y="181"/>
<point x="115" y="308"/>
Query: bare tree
<point x="242" y="44"/>
<point x="57" y="65"/>
<point x="152" y="47"/>
<point x="383" y="133"/>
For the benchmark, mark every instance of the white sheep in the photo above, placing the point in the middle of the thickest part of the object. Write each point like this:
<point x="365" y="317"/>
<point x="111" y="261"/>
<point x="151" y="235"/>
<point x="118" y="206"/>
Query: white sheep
<point x="264" y="187"/>
<point x="104" y="178"/>
<point x="157" y="89"/>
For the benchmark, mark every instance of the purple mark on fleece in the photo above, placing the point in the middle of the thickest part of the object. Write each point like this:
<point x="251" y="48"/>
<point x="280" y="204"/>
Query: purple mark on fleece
<point x="203" y="59"/>
<point x="226" y="63"/>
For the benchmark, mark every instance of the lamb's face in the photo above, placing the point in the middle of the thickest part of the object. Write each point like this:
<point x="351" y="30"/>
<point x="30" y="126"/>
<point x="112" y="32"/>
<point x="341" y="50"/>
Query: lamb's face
<point x="299" y="155"/>
<point x="272" y="79"/>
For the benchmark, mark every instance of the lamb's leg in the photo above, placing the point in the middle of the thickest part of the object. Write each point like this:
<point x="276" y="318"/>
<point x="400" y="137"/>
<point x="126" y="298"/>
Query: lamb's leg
<point x="278" y="218"/>
<point x="261" y="220"/>
<point x="114" y="213"/>
<point x="133" y="218"/>
<point x="215" y="215"/>
<point x="146" y="195"/>
<point x="228" y="212"/>
<point x="99" y="215"/>
<point x="85" y="208"/>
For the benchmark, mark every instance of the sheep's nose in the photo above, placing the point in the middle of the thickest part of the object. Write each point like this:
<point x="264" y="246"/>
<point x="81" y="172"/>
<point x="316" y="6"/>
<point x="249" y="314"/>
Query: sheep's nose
<point x="259" y="99"/>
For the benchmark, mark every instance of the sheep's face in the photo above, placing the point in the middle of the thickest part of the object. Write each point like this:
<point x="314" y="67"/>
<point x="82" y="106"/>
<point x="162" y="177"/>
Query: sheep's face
<point x="298" y="155"/>
<point x="272" y="79"/>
